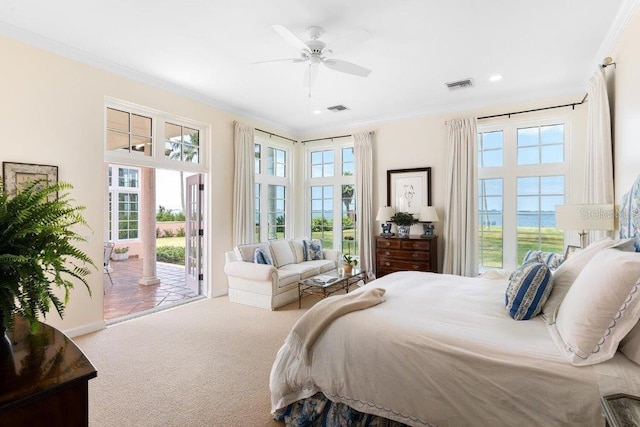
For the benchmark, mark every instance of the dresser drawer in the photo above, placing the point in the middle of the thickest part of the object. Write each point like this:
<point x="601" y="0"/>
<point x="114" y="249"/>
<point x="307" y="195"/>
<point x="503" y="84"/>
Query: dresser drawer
<point x="416" y="245"/>
<point x="403" y="255"/>
<point x="395" y="265"/>
<point x="388" y="243"/>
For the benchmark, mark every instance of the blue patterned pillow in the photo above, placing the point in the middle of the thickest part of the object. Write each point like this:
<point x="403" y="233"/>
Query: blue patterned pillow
<point x="528" y="290"/>
<point x="313" y="250"/>
<point x="550" y="259"/>
<point x="260" y="256"/>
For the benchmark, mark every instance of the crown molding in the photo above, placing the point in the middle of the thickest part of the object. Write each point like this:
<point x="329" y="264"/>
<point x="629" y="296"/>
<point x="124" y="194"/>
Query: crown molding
<point x="618" y="26"/>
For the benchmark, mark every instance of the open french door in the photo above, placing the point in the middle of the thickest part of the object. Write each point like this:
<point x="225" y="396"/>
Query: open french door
<point x="194" y="232"/>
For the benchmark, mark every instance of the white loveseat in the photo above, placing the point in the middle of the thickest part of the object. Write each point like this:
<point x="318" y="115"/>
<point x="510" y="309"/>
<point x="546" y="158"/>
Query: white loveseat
<point x="272" y="286"/>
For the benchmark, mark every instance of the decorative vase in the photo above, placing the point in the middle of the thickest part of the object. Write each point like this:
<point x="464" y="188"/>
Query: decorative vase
<point x="348" y="269"/>
<point x="403" y="230"/>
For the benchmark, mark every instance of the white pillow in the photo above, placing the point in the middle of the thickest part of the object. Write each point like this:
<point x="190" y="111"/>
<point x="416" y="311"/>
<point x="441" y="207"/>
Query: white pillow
<point x="600" y="308"/>
<point x="566" y="274"/>
<point x="630" y="345"/>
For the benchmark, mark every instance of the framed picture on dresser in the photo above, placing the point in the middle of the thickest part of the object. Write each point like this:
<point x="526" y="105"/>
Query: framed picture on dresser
<point x="409" y="189"/>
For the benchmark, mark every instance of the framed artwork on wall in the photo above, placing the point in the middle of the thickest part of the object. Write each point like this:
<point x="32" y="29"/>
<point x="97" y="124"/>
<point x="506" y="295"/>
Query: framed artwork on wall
<point x="16" y="175"/>
<point x="409" y="189"/>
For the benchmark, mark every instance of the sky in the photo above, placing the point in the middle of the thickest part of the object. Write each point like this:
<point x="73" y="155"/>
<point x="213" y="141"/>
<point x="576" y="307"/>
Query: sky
<point x="168" y="189"/>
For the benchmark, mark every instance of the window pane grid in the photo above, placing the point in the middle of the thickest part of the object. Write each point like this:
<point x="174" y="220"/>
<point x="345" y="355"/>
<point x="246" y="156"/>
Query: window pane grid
<point x="322" y="214"/>
<point x="536" y="201"/>
<point x="490" y="220"/>
<point x="129" y="132"/>
<point x="541" y="144"/>
<point x="276" y="215"/>
<point x="322" y="164"/>
<point x="490" y="149"/>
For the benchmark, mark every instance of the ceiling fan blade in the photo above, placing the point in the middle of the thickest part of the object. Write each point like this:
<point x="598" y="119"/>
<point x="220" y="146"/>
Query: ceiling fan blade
<point x="350" y="40"/>
<point x="310" y="75"/>
<point x="290" y="37"/>
<point x="347" y="67"/>
<point x="280" y="60"/>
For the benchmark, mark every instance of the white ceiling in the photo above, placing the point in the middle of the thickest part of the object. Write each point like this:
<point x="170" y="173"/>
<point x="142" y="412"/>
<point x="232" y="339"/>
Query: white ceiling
<point x="205" y="48"/>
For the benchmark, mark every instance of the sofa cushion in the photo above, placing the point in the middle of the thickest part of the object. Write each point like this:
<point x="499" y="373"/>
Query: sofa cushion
<point x="282" y="252"/>
<point x="246" y="252"/>
<point x="310" y="268"/>
<point x="299" y="249"/>
<point x="286" y="277"/>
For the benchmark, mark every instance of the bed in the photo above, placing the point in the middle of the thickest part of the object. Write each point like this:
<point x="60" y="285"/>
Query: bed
<point x="442" y="350"/>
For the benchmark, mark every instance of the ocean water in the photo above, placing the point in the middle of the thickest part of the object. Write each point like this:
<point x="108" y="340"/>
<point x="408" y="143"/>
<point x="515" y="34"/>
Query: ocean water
<point x="525" y="219"/>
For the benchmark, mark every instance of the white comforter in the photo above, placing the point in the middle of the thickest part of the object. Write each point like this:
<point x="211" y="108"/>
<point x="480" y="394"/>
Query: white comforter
<point x="442" y="350"/>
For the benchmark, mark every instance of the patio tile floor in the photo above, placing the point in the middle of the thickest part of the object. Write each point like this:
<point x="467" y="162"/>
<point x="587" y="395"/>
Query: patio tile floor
<point x="127" y="297"/>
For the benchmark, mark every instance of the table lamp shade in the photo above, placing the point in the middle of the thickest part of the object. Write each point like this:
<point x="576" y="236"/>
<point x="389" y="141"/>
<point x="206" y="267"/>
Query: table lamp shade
<point x="428" y="214"/>
<point x="585" y="217"/>
<point x="384" y="213"/>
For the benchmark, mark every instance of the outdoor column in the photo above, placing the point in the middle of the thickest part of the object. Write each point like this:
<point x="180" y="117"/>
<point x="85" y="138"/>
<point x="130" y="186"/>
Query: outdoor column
<point x="147" y="224"/>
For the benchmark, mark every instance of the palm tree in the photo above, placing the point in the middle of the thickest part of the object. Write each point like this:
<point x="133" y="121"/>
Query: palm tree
<point x="186" y="153"/>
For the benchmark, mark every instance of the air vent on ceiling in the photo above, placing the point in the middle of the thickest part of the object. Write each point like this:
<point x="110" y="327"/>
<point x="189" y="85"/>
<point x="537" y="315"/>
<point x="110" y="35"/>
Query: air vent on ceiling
<point x="337" y="108"/>
<point x="460" y="84"/>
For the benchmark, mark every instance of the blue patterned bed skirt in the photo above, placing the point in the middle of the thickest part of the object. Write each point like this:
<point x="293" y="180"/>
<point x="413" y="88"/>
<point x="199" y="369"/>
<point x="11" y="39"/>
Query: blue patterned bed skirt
<point x="319" y="411"/>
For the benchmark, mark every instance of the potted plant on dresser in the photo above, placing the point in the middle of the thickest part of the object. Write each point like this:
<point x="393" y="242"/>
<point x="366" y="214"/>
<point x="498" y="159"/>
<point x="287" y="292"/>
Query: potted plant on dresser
<point x="38" y="229"/>
<point x="404" y="221"/>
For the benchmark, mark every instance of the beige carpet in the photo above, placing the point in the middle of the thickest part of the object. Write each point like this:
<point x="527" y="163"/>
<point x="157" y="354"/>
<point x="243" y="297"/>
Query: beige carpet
<point x="205" y="363"/>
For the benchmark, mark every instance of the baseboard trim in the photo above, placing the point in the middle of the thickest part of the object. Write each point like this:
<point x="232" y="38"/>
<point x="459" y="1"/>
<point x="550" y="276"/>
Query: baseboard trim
<point x="84" y="329"/>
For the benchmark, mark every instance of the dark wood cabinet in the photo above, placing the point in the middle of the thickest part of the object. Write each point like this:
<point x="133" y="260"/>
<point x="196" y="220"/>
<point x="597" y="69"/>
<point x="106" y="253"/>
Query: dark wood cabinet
<point x="412" y="253"/>
<point x="43" y="378"/>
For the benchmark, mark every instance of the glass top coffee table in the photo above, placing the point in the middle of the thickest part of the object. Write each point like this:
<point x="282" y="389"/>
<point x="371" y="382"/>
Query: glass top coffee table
<point x="328" y="283"/>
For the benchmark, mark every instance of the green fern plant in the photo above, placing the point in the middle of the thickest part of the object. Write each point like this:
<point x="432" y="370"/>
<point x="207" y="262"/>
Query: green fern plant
<point x="38" y="229"/>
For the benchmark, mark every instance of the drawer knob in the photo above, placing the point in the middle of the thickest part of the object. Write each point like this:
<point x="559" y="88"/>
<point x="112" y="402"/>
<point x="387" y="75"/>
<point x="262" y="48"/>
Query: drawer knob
<point x="416" y="255"/>
<point x="387" y="253"/>
<point x="387" y="264"/>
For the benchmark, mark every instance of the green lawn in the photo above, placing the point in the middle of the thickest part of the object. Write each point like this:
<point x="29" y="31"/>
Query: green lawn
<point x="490" y="254"/>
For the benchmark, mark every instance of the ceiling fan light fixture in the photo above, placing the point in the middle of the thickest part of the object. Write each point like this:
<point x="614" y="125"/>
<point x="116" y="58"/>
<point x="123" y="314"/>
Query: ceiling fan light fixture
<point x="495" y="78"/>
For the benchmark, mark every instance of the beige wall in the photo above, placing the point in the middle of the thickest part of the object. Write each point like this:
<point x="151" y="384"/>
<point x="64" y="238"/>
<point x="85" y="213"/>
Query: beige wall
<point x="52" y="112"/>
<point x="625" y="82"/>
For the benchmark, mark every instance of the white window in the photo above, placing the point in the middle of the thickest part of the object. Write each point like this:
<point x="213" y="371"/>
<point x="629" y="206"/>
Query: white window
<point x="522" y="171"/>
<point x="146" y="137"/>
<point x="331" y="187"/>
<point x="271" y="191"/>
<point x="124" y="203"/>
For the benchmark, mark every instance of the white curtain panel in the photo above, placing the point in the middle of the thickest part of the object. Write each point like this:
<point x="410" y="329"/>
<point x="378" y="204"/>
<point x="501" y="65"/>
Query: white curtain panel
<point x="243" y="180"/>
<point x="364" y="199"/>
<point x="598" y="180"/>
<point x="460" y="210"/>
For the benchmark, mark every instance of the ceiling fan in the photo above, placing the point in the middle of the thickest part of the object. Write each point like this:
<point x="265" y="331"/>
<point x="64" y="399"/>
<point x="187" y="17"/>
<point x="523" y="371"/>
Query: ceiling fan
<point x="315" y="52"/>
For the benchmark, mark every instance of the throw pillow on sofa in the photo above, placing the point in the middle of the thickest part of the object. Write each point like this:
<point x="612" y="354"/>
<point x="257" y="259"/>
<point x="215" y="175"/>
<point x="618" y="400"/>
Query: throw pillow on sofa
<point x="261" y="257"/>
<point x="313" y="249"/>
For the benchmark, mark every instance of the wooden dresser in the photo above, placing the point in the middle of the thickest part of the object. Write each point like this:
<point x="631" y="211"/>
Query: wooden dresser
<point x="43" y="378"/>
<point x="412" y="253"/>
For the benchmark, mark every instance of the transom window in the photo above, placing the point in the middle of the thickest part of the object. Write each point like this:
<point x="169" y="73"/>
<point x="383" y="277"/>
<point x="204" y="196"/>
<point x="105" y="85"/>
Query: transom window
<point x="145" y="137"/>
<point x="129" y="132"/>
<point x="541" y="144"/>
<point x="181" y="143"/>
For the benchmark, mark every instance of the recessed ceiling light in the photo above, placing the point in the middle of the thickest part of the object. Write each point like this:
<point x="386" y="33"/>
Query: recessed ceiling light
<point x="495" y="78"/>
<point x="317" y="111"/>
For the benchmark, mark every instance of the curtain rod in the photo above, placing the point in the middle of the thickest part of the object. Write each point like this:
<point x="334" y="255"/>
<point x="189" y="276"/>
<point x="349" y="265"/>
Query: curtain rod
<point x="275" y="134"/>
<point x="330" y="137"/>
<point x="572" y="105"/>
